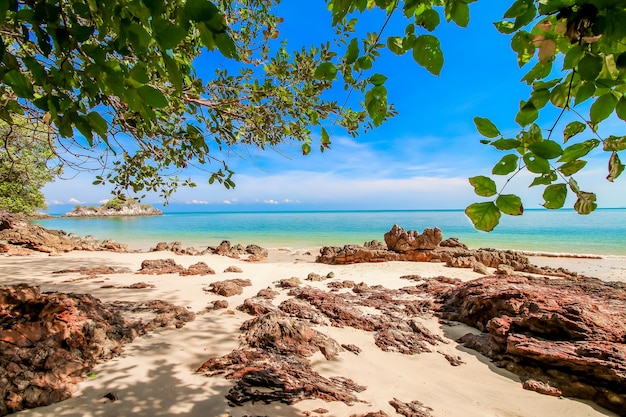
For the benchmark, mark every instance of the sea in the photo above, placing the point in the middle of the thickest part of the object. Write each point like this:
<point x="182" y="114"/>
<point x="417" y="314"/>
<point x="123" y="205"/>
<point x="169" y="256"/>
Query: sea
<point x="602" y="232"/>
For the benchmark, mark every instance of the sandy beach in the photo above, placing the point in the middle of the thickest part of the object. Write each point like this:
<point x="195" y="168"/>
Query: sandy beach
<point x="156" y="374"/>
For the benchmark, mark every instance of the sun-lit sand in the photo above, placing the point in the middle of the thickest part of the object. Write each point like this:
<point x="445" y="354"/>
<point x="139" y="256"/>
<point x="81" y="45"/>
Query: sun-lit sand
<point x="155" y="375"/>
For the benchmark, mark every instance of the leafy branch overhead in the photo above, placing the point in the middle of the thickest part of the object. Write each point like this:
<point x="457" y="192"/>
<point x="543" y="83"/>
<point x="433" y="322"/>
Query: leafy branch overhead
<point x="116" y="82"/>
<point x="584" y="44"/>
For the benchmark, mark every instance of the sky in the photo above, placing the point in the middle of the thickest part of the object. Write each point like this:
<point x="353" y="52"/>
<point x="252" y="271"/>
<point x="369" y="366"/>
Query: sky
<point x="421" y="159"/>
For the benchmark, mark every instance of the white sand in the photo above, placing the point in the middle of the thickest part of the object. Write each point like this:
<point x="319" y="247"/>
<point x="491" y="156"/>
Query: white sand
<point x="155" y="376"/>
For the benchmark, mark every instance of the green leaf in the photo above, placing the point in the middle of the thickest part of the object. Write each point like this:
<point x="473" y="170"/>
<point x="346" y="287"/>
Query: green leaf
<point x="363" y="63"/>
<point x="483" y="186"/>
<point x="586" y="203"/>
<point x="572" y="129"/>
<point x="428" y="19"/>
<point x="589" y="67"/>
<point x="486" y="127"/>
<point x="570" y="168"/>
<point x="226" y="45"/>
<point x="396" y="45"/>
<point x="200" y="10"/>
<point x="603" y="107"/>
<point x="536" y="164"/>
<point x="377" y="79"/>
<point x="554" y="196"/>
<point x="584" y="92"/>
<point x="528" y="113"/>
<point x="620" y="109"/>
<point x="547" y="149"/>
<point x="306" y="149"/>
<point x="614" y="143"/>
<point x="353" y="51"/>
<point x="510" y="204"/>
<point x="544" y="179"/>
<point x="578" y="150"/>
<point x="376" y="104"/>
<point x="484" y="216"/>
<point x="325" y="71"/>
<point x="168" y="35"/>
<point x="459" y="13"/>
<point x="173" y="72"/>
<point x="572" y="57"/>
<point x="19" y="83"/>
<point x="98" y="124"/>
<point x="427" y="53"/>
<point x="506" y="165"/>
<point x="615" y="167"/>
<point x="152" y="96"/>
<point x="560" y="95"/>
<point x="518" y="8"/>
<point x="325" y="138"/>
<point x="522" y="43"/>
<point x="506" y="144"/>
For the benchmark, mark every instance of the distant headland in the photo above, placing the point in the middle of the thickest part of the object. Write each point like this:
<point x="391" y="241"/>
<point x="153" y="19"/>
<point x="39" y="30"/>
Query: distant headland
<point x="118" y="206"/>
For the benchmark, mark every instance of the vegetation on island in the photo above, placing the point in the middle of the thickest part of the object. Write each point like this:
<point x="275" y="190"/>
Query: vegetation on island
<point x="118" y="205"/>
<point x="115" y="82"/>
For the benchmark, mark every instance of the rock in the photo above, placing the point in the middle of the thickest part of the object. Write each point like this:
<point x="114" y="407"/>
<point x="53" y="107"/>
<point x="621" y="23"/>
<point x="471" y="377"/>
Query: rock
<point x="233" y="269"/>
<point x="398" y="240"/>
<point x="217" y="305"/>
<point x="290" y="282"/>
<point x="315" y="277"/>
<point x="160" y="266"/>
<point x="504" y="270"/>
<point x="49" y="341"/>
<point x="230" y="287"/>
<point x="453" y="242"/>
<point x="379" y="413"/>
<point x="564" y="333"/>
<point x="94" y="271"/>
<point x="541" y="388"/>
<point x="412" y="409"/>
<point x="256" y="253"/>
<point x="351" y="348"/>
<point x="199" y="268"/>
<point x="140" y="285"/>
<point x="481" y="269"/>
<point x="272" y="365"/>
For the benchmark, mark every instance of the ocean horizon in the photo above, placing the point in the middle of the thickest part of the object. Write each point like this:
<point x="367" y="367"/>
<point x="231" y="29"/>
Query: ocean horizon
<point x="603" y="232"/>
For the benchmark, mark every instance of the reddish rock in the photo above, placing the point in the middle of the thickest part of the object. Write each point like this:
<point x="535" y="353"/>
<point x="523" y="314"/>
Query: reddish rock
<point x="233" y="268"/>
<point x="257" y="306"/>
<point x="160" y="266"/>
<point x="566" y="334"/>
<point x="290" y="282"/>
<point x="399" y="240"/>
<point x="412" y="409"/>
<point x="230" y="287"/>
<point x="199" y="268"/>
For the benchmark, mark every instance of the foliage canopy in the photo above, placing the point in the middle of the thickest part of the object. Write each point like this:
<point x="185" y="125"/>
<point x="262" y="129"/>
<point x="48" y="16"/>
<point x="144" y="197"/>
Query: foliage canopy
<point x="119" y="78"/>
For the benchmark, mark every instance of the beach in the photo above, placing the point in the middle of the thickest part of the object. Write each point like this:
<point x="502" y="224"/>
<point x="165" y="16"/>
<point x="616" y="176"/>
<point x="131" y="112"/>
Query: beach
<point x="156" y="374"/>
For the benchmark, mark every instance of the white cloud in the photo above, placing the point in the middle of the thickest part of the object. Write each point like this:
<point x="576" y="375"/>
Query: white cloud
<point x="75" y="201"/>
<point x="290" y="201"/>
<point x="54" y="202"/>
<point x="201" y="202"/>
<point x="104" y="200"/>
<point x="227" y="202"/>
<point x="270" y="202"/>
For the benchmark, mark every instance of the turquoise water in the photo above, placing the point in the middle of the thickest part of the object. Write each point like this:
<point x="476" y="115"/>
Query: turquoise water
<point x="563" y="231"/>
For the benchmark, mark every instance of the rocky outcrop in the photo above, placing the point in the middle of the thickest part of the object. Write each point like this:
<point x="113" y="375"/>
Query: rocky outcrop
<point x="250" y="253"/>
<point x="399" y="240"/>
<point x="49" y="342"/>
<point x="18" y="237"/>
<point x="229" y="287"/>
<point x="272" y="364"/>
<point x="563" y="337"/>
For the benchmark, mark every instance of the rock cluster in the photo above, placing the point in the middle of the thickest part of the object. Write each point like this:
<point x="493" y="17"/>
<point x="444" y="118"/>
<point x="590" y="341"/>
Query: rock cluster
<point x="19" y="237"/>
<point x="169" y="266"/>
<point x="563" y="337"/>
<point x="49" y="342"/>
<point x="251" y="253"/>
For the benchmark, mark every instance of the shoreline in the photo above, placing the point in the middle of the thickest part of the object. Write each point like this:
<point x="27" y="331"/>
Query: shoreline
<point x="156" y="374"/>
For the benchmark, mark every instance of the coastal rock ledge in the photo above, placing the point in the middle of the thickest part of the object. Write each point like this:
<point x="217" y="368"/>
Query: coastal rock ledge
<point x="115" y="208"/>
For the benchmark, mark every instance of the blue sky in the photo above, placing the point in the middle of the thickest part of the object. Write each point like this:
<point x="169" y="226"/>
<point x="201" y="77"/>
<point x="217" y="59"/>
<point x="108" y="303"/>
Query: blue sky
<point x="421" y="159"/>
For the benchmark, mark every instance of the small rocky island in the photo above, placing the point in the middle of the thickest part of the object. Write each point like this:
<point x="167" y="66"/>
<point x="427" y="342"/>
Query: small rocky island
<point x="118" y="206"/>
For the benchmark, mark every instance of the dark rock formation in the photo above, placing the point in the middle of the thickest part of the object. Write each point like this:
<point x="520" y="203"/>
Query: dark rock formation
<point x="567" y="336"/>
<point x="272" y="365"/>
<point x="48" y="342"/>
